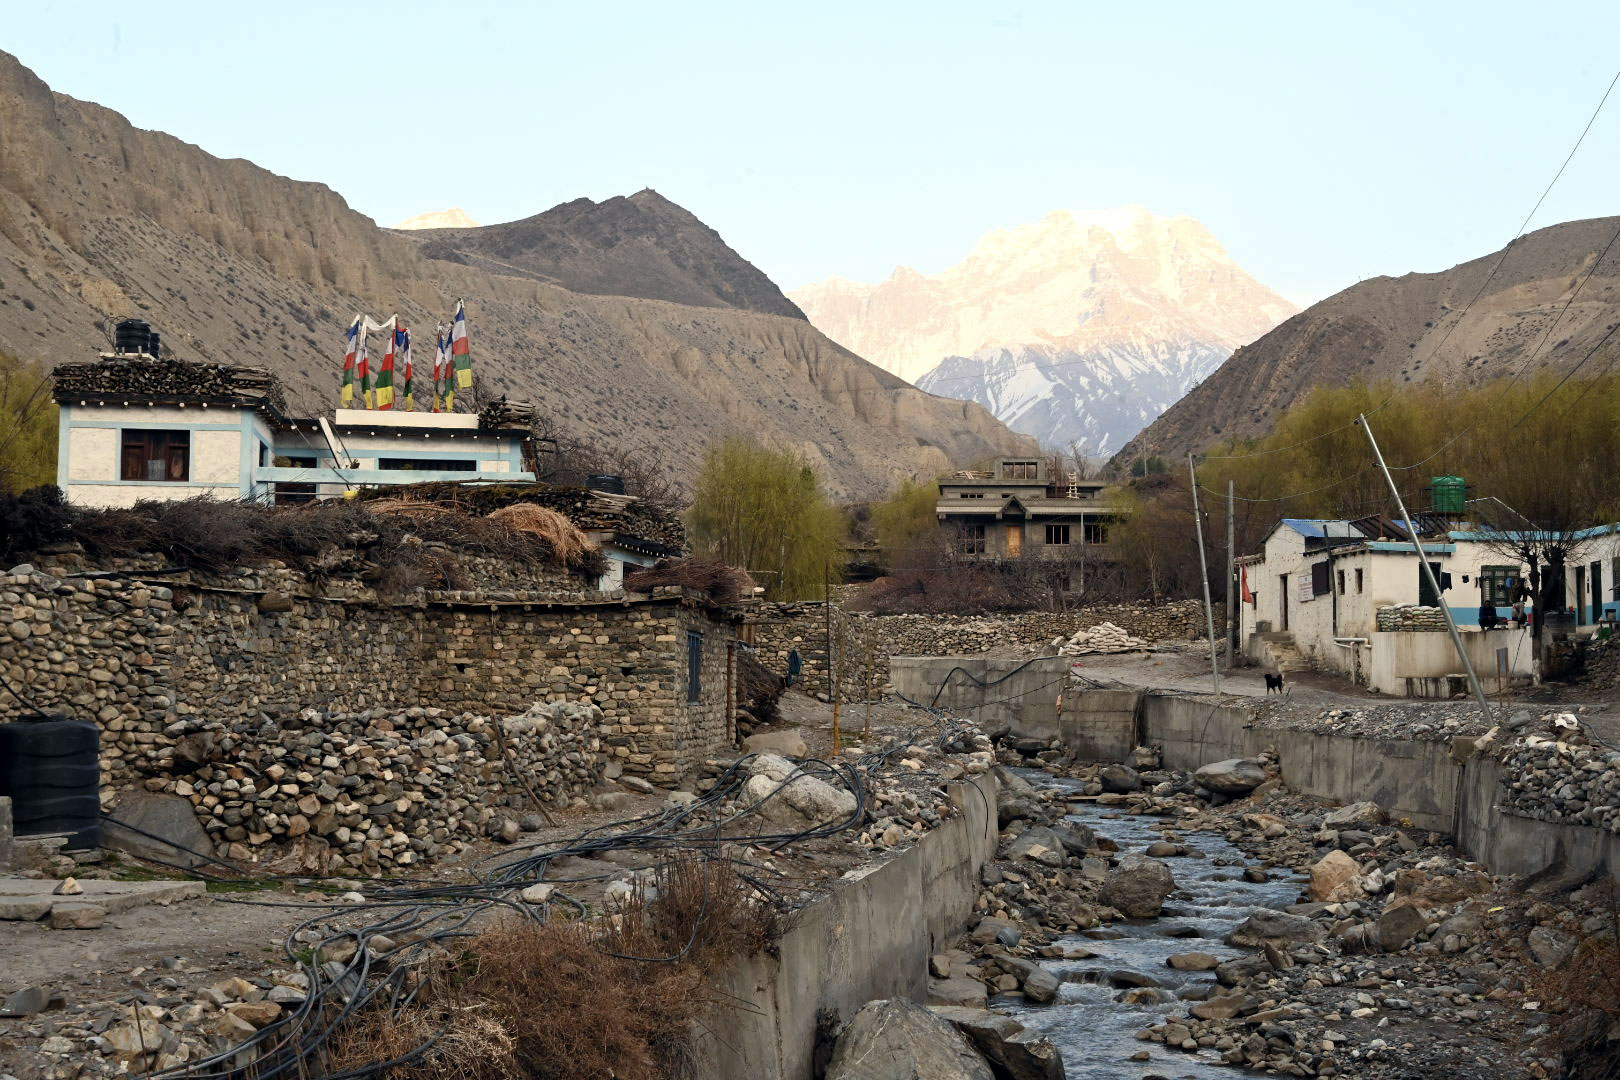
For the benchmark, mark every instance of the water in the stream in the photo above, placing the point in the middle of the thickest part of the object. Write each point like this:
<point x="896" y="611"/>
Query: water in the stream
<point x="1091" y="1022"/>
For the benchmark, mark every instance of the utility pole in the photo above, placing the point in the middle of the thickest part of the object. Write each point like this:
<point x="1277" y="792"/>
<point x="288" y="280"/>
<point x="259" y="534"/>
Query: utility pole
<point x="1428" y="573"/>
<point x="832" y="667"/>
<point x="1231" y="576"/>
<point x="1203" y="563"/>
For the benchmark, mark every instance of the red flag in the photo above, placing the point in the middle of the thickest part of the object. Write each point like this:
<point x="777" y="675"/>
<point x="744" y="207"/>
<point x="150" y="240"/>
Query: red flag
<point x="1248" y="597"/>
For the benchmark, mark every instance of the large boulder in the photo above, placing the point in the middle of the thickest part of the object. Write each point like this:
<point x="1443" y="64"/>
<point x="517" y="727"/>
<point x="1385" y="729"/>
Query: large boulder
<point x="793" y="799"/>
<point x="1077" y="839"/>
<point x="1014" y="1052"/>
<point x="1234" y="776"/>
<point x="169" y="829"/>
<point x="1119" y="779"/>
<point x="1334" y="879"/>
<point x="1039" y="844"/>
<point x="1356" y="813"/>
<point x="896" y="1039"/>
<point x="1399" y="924"/>
<point x="787" y="743"/>
<point x="1137" y="886"/>
<point x="1276" y="927"/>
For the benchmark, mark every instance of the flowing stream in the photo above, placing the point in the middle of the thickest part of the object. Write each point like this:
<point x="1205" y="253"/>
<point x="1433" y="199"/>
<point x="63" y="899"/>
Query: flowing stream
<point x="1093" y="1023"/>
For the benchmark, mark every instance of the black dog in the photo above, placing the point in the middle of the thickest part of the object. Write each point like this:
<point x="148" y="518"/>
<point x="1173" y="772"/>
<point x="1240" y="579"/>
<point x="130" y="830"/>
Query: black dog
<point x="1274" y="682"/>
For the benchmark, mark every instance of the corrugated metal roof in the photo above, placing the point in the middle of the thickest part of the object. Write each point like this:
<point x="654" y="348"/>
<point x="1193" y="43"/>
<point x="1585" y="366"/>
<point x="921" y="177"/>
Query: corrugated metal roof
<point x="1322" y="528"/>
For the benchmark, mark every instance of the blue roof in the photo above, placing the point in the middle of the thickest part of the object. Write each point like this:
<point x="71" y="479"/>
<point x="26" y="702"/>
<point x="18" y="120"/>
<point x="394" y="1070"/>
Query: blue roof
<point x="1321" y="528"/>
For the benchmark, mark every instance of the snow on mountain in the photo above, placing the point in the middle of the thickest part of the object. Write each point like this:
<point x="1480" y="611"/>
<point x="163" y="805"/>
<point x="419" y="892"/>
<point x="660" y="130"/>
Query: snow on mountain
<point x="1081" y="326"/>
<point x="453" y="218"/>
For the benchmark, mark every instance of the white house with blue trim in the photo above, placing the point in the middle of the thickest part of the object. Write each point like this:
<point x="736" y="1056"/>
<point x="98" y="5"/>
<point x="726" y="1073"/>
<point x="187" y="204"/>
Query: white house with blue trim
<point x="134" y="428"/>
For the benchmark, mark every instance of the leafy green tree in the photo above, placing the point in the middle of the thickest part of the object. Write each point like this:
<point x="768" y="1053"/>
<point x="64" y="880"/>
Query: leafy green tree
<point x="764" y="510"/>
<point x="906" y="520"/>
<point x="27" y="425"/>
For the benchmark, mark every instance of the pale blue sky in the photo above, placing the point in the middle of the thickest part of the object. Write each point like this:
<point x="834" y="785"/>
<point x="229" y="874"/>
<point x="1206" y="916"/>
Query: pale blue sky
<point x="1321" y="143"/>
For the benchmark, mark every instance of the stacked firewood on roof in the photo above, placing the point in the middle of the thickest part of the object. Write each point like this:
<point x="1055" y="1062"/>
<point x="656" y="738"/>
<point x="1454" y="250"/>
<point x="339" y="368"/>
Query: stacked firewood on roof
<point x="169" y="380"/>
<point x="503" y="413"/>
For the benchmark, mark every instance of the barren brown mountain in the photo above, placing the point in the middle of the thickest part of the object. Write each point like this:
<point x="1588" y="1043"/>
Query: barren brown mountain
<point x="629" y="322"/>
<point x="1414" y="328"/>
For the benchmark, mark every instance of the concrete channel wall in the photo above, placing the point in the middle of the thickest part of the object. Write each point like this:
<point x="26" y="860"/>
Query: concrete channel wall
<point x="870" y="938"/>
<point x="1413" y="781"/>
<point x="998" y="695"/>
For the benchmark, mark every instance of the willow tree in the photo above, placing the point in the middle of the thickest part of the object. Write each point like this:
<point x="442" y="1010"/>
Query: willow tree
<point x="27" y="425"/>
<point x="764" y="510"/>
<point x="907" y="522"/>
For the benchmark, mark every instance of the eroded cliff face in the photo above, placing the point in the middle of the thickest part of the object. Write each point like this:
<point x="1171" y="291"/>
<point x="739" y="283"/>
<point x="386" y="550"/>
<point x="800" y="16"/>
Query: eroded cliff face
<point x="1467" y="325"/>
<point x="236" y="264"/>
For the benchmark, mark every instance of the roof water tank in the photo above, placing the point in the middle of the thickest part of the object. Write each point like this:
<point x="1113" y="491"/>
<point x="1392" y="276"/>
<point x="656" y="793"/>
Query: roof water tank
<point x="154" y="344"/>
<point x="132" y="336"/>
<point x="611" y="485"/>
<point x="1450" y="494"/>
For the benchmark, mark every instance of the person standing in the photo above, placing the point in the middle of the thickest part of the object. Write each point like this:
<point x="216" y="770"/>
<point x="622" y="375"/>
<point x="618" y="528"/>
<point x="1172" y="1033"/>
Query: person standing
<point x="795" y="666"/>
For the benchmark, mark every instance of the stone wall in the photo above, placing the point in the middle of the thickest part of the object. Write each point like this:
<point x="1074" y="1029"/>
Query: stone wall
<point x="782" y="627"/>
<point x="140" y="652"/>
<point x="373" y="793"/>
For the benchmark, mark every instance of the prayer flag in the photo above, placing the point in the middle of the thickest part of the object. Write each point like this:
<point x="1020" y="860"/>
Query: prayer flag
<point x="346" y="398"/>
<point x="459" y="349"/>
<point x="402" y="341"/>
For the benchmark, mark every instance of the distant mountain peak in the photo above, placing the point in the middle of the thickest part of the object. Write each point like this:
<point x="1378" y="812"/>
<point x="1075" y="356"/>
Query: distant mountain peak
<point x="1084" y="324"/>
<point x="453" y="218"/>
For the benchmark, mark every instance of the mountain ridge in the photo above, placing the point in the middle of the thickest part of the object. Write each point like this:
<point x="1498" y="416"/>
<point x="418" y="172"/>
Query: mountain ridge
<point x="235" y="264"/>
<point x="1413" y="327"/>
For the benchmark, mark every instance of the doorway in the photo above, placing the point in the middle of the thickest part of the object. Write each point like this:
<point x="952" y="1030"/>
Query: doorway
<point x="1580" y="595"/>
<point x="1015" y="539"/>
<point x="1282" y="601"/>
<point x="1597" y="592"/>
<point x="1427" y="597"/>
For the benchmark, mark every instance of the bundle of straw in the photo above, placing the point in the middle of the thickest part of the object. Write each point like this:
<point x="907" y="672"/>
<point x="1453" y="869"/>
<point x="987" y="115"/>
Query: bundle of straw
<point x="565" y="538"/>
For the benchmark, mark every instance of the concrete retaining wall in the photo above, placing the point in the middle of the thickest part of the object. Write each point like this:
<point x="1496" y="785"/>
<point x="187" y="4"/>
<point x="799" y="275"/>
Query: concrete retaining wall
<point x="995" y="694"/>
<point x="1413" y="781"/>
<point x="871" y="938"/>
<point x="1101" y="725"/>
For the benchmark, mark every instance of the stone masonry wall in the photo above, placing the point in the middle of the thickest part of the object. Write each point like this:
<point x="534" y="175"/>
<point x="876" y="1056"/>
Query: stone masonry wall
<point x="781" y="628"/>
<point x="138" y="654"/>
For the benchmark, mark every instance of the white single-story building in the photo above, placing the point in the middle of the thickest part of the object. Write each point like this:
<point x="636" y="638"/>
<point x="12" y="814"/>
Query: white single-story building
<point x="1349" y="596"/>
<point x="133" y="428"/>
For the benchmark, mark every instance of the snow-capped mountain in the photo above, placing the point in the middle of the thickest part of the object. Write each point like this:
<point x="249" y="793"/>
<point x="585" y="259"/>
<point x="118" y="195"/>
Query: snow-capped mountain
<point x="453" y="218"/>
<point x="1083" y="326"/>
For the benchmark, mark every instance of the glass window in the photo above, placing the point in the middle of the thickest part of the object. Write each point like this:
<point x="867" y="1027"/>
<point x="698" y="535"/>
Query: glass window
<point x="1057" y="534"/>
<point x="1497" y="585"/>
<point x="1020" y="470"/>
<point x="162" y="457"/>
<point x="973" y="539"/>
<point x="1341" y="582"/>
<point x="1096" y="532"/>
<point x="1358" y="582"/>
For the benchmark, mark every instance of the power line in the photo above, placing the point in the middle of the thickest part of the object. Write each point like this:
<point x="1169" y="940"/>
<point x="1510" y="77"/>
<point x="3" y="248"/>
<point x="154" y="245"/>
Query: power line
<point x="1500" y="259"/>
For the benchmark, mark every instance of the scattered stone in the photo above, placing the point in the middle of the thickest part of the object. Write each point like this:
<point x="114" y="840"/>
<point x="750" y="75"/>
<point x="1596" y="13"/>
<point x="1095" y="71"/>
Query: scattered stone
<point x="77" y="916"/>
<point x="1333" y="878"/>
<point x="786" y="743"/>
<point x="1119" y="779"/>
<point x="1014" y="1052"/>
<point x="1275" y="926"/>
<point x="1356" y="813"/>
<point x="1194" y="961"/>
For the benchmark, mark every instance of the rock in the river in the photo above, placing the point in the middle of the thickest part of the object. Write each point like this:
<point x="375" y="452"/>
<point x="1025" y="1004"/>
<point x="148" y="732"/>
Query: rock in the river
<point x="1234" y="776"/>
<point x="896" y="1039"/>
<point x="1194" y="961"/>
<point x="1137" y="886"/>
<point x="1013" y="1051"/>
<point x="1119" y="779"/>
<point x="1333" y="879"/>
<point x="1275" y="926"/>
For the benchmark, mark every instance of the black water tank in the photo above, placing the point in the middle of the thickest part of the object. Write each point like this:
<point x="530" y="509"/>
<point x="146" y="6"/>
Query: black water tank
<point x="132" y="336"/>
<point x="154" y="344"/>
<point x="51" y="769"/>
<point x="611" y="485"/>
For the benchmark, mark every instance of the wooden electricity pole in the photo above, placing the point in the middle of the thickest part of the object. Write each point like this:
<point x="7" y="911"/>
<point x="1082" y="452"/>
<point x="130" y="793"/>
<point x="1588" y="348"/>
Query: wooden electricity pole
<point x="1231" y="576"/>
<point x="832" y="665"/>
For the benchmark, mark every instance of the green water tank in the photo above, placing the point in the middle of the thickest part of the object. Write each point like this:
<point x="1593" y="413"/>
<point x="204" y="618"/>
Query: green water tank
<point x="1450" y="494"/>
